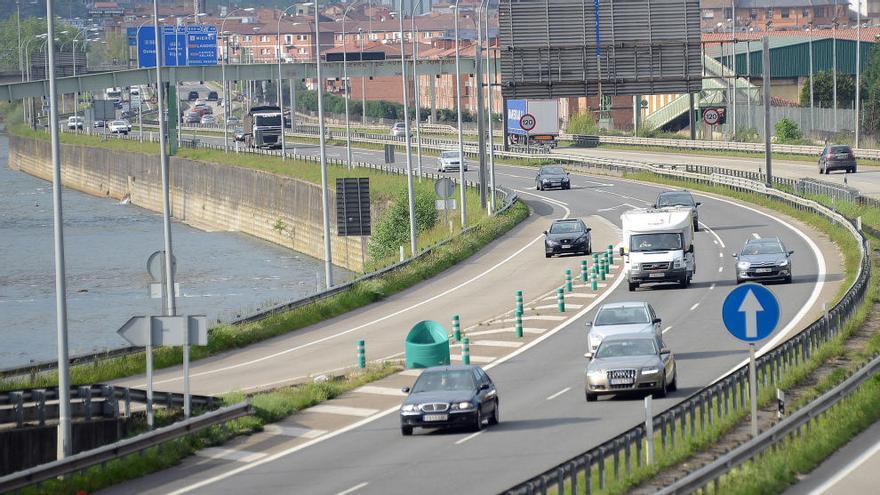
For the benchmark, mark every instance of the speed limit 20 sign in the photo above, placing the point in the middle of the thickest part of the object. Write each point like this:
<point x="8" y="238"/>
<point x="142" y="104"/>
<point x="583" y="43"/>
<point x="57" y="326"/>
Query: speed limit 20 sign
<point x="527" y="122"/>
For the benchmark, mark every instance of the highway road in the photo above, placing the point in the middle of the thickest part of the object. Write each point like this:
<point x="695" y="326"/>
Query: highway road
<point x="545" y="418"/>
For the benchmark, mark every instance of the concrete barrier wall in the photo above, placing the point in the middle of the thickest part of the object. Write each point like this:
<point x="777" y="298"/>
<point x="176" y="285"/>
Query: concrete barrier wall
<point x="207" y="196"/>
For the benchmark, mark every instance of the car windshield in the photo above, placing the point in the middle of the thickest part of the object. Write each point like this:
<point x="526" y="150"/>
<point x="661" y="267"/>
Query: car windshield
<point x="566" y="228"/>
<point x="267" y="120"/>
<point x="756" y="248"/>
<point x="623" y="348"/>
<point x="444" y="380"/>
<point x="676" y="199"/>
<point x="655" y="242"/>
<point x="449" y="154"/>
<point x="840" y="149"/>
<point x="621" y="316"/>
<point x="552" y="171"/>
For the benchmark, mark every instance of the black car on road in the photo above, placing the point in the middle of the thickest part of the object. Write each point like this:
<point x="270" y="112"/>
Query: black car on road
<point x="552" y="176"/>
<point x="764" y="259"/>
<point x="238" y="134"/>
<point x="570" y="235"/>
<point x="837" y="157"/>
<point x="680" y="198"/>
<point x="450" y="397"/>
<point x="193" y="96"/>
<point x="213" y="96"/>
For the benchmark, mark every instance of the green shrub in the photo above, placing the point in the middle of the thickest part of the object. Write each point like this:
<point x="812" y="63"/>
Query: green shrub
<point x="393" y="229"/>
<point x="746" y="135"/>
<point x="787" y="131"/>
<point x="583" y="123"/>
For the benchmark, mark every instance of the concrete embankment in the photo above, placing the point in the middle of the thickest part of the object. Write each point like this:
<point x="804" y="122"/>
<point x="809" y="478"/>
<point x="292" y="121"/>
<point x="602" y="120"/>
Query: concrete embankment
<point x="208" y="196"/>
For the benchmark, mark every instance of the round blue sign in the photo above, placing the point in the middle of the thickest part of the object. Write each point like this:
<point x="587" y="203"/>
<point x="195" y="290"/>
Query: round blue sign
<point x="750" y="312"/>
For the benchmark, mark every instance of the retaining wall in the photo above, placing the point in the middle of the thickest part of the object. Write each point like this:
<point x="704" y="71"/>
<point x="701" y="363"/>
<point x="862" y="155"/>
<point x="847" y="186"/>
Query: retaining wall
<point x="208" y="196"/>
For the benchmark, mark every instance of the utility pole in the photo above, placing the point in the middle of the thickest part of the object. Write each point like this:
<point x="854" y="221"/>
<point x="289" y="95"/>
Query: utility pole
<point x="858" y="67"/>
<point x="768" y="151"/>
<point x="481" y="112"/>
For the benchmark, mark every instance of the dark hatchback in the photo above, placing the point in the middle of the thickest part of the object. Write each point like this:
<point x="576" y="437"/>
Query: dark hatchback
<point x="450" y="397"/>
<point x="552" y="176"/>
<point x="569" y="235"/>
<point x="837" y="157"/>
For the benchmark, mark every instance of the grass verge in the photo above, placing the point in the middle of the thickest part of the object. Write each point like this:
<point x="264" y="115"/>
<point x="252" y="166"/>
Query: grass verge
<point x="269" y="407"/>
<point x="227" y="337"/>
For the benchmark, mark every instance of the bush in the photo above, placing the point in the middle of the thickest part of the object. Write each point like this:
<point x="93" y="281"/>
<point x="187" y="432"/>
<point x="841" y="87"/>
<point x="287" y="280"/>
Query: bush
<point x="746" y="135"/>
<point x="787" y="131"/>
<point x="583" y="124"/>
<point x="392" y="230"/>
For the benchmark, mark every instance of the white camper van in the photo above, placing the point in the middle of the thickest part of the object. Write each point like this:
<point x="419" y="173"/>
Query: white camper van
<point x="659" y="246"/>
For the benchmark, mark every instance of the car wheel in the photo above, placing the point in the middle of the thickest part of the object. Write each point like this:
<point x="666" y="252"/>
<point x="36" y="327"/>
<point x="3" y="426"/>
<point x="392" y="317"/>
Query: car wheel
<point x="406" y="430"/>
<point x="739" y="281"/>
<point x="633" y="286"/>
<point x="547" y="255"/>
<point x="478" y="421"/>
<point x="674" y="385"/>
<point x="538" y="186"/>
<point x="696" y="226"/>
<point x="495" y="418"/>
<point x="852" y="170"/>
<point x="826" y="169"/>
<point x="591" y="397"/>
<point x="788" y="279"/>
<point x="661" y="392"/>
<point x="589" y="249"/>
<point x="683" y="283"/>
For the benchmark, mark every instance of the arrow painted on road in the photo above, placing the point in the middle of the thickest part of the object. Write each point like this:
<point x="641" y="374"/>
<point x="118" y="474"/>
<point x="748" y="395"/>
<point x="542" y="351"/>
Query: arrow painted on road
<point x="751" y="307"/>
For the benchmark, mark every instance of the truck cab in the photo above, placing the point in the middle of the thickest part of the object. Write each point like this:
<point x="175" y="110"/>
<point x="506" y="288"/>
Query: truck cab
<point x="262" y="126"/>
<point x="658" y="246"/>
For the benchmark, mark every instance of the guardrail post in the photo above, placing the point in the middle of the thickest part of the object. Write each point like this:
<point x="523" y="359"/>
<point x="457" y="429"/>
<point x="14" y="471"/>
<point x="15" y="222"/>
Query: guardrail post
<point x="127" y="398"/>
<point x="627" y="452"/>
<point x="361" y="354"/>
<point x="702" y="413"/>
<point x="85" y="394"/>
<point x="663" y="432"/>
<point x="39" y="396"/>
<point x="568" y="287"/>
<point x="560" y="480"/>
<point x="518" y="328"/>
<point x="583" y="271"/>
<point x="560" y="300"/>
<point x="466" y="350"/>
<point x="693" y="413"/>
<point x="17" y="400"/>
<point x="573" y="476"/>
<point x="709" y="404"/>
<point x="616" y="458"/>
<point x="601" y="468"/>
<point x="726" y="392"/>
<point x="456" y="328"/>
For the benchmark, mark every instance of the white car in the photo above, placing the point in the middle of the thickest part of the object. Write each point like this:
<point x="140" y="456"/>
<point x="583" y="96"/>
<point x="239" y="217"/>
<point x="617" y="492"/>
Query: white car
<point x="398" y="129"/>
<point x="74" y="122"/>
<point x="451" y="160"/>
<point x="622" y="318"/>
<point x="208" y="119"/>
<point x="119" y="127"/>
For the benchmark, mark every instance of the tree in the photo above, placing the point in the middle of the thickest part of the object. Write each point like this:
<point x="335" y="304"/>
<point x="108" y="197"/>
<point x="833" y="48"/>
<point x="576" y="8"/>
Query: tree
<point x="823" y="90"/>
<point x="392" y="230"/>
<point x="113" y="50"/>
<point x="871" y="93"/>
<point x="30" y="28"/>
<point x="787" y="131"/>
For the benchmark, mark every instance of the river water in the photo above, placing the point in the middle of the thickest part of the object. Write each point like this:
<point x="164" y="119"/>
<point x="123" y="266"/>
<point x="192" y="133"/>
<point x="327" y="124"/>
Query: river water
<point x="221" y="274"/>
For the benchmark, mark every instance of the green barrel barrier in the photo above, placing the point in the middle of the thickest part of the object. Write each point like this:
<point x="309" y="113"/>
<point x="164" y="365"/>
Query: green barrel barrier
<point x="426" y="345"/>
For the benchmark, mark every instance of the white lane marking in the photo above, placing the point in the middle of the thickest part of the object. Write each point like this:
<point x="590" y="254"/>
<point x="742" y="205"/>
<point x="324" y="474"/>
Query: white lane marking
<point x="498" y="343"/>
<point x="849" y="468"/>
<point x="720" y="255"/>
<point x="627" y="197"/>
<point x="512" y="175"/>
<point x="412" y="372"/>
<point x="667" y="329"/>
<point x="292" y="431"/>
<point x="377" y="320"/>
<point x="361" y="412"/>
<point x="391" y="410"/>
<point x="472" y="435"/>
<point x="353" y="489"/>
<point x="536" y="317"/>
<point x="756" y="236"/>
<point x="510" y="330"/>
<point x="552" y="306"/>
<point x="720" y="269"/>
<point x="373" y="389"/>
<point x="714" y="242"/>
<point x="268" y="385"/>
<point x="474" y="359"/>
<point x="545" y="198"/>
<point x="571" y="294"/>
<point x="695" y="306"/>
<point x="717" y="238"/>
<point x="557" y="394"/>
<point x="230" y="454"/>
<point x="618" y="206"/>
<point x="712" y="287"/>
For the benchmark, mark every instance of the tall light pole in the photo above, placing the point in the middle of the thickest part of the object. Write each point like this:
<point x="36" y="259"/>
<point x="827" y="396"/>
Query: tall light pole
<point x="29" y="110"/>
<point x="812" y="120"/>
<point x="416" y="92"/>
<point x="733" y="59"/>
<point x="363" y="81"/>
<point x="20" y="52"/>
<point x="463" y="196"/>
<point x="170" y="309"/>
<point x="325" y="194"/>
<point x="280" y="89"/>
<point x="226" y="100"/>
<point x="345" y="84"/>
<point x="478" y="82"/>
<point x="65" y="443"/>
<point x="409" y="178"/>
<point x="834" y="69"/>
<point x="489" y="78"/>
<point x="858" y="66"/>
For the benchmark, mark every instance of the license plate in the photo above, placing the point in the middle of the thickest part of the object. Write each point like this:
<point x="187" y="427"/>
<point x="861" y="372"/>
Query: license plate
<point x="656" y="275"/>
<point x="621" y="381"/>
<point x="566" y="246"/>
<point x="436" y="417"/>
<point x="763" y="270"/>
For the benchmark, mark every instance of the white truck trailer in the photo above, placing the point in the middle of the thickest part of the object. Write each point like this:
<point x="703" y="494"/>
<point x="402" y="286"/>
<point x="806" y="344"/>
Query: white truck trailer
<point x="658" y="246"/>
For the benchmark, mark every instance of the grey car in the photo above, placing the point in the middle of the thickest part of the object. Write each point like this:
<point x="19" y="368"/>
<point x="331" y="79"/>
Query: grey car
<point x="680" y="198"/>
<point x="765" y="259"/>
<point x="621" y="318"/>
<point x="837" y="157"/>
<point x="552" y="176"/>
<point x="629" y="364"/>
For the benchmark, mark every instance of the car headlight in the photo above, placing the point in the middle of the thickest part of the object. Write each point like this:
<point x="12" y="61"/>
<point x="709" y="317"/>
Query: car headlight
<point x="783" y="263"/>
<point x="552" y="242"/>
<point x="565" y="179"/>
<point x="678" y="263"/>
<point x="463" y="406"/>
<point x="410" y="408"/>
<point x="650" y="371"/>
<point x="743" y="265"/>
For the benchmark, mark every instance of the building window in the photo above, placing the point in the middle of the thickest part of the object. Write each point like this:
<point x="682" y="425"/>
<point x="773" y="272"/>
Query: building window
<point x="805" y="13"/>
<point x="753" y="14"/>
<point x="427" y="36"/>
<point x="247" y="38"/>
<point x="708" y="14"/>
<point x="784" y="13"/>
<point x="727" y="13"/>
<point x="339" y="37"/>
<point x="288" y="39"/>
<point x="302" y="51"/>
<point x="264" y="39"/>
<point x="373" y="36"/>
<point x="769" y="13"/>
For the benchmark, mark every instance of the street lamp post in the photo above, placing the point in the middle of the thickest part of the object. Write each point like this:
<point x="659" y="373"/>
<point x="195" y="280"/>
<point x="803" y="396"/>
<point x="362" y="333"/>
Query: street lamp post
<point x="345" y="85"/>
<point x="858" y="68"/>
<point x="325" y="194"/>
<point x="812" y="121"/>
<point x="834" y="69"/>
<point x="463" y="197"/>
<point x="416" y="90"/>
<point x="280" y="89"/>
<point x="478" y="83"/>
<point x="65" y="441"/>
<point x="489" y="78"/>
<point x="363" y="81"/>
<point x="29" y="110"/>
<point x="409" y="178"/>
<point x="226" y="100"/>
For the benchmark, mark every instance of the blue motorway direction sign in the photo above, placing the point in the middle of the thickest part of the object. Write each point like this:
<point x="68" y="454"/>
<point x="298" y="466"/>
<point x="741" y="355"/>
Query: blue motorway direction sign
<point x="750" y="312"/>
<point x="131" y="33"/>
<point x="181" y="46"/>
<point x="146" y="47"/>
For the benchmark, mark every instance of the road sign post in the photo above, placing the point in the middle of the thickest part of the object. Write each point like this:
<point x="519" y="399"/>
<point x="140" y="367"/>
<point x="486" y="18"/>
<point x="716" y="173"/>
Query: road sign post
<point x="751" y="314"/>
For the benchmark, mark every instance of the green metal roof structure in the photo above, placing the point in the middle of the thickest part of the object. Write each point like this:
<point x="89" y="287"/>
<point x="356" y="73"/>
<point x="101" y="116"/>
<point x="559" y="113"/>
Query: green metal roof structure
<point x="790" y="56"/>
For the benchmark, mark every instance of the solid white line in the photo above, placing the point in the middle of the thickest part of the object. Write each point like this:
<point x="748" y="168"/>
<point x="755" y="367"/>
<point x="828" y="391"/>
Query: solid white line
<point x="230" y="454"/>
<point x="720" y="269"/>
<point x="849" y="468"/>
<point x="553" y="306"/>
<point x="545" y="198"/>
<point x="472" y="435"/>
<point x="536" y="317"/>
<point x="361" y="412"/>
<point x="474" y="359"/>
<point x="498" y="343"/>
<point x="717" y="238"/>
<point x="667" y="329"/>
<point x="373" y="389"/>
<point x="557" y="394"/>
<point x="720" y="255"/>
<point x="391" y="410"/>
<point x="756" y="236"/>
<point x="412" y="372"/>
<point x="353" y="489"/>
<point x="711" y="287"/>
<point x="292" y="431"/>
<point x="695" y="306"/>
<point x="510" y="330"/>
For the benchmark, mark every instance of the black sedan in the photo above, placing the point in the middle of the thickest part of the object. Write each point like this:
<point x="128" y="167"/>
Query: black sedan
<point x="570" y="235"/>
<point x="552" y="176"/>
<point x="238" y="134"/>
<point x="450" y="397"/>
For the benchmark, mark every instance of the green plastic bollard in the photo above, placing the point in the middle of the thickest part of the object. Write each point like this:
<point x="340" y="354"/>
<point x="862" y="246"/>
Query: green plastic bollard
<point x="568" y="287"/>
<point x="362" y="355"/>
<point x="519" y="301"/>
<point x="584" y="276"/>
<point x="595" y="259"/>
<point x="518" y="325"/>
<point x="594" y="285"/>
<point x="456" y="328"/>
<point x="602" y="270"/>
<point x="610" y="254"/>
<point x="466" y="351"/>
<point x="560" y="300"/>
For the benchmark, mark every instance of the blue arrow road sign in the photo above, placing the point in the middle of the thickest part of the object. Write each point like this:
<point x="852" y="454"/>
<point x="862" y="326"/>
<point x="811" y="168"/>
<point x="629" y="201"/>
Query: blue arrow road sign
<point x="750" y="312"/>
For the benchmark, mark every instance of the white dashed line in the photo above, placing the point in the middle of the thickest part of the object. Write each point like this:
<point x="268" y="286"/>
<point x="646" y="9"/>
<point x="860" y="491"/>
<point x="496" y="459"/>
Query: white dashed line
<point x="695" y="306"/>
<point x="720" y="255"/>
<point x="293" y="431"/>
<point x="474" y="359"/>
<point x="353" y="489"/>
<point x="720" y="269"/>
<point x="557" y="394"/>
<point x="713" y="234"/>
<point x="666" y="329"/>
<point x="756" y="236"/>
<point x="472" y="435"/>
<point x="711" y="286"/>
<point x="498" y="343"/>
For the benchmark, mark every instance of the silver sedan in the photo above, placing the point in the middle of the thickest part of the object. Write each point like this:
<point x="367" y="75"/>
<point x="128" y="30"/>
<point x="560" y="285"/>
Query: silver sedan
<point x="630" y="363"/>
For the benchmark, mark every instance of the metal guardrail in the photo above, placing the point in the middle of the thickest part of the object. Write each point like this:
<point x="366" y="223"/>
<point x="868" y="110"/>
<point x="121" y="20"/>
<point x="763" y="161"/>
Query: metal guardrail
<point x="87" y="459"/>
<point x="791" y="425"/>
